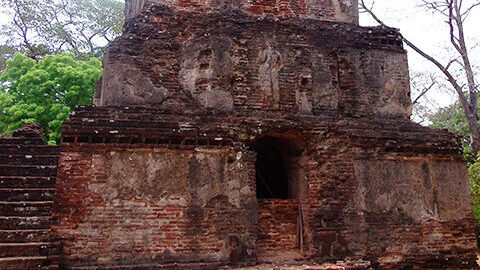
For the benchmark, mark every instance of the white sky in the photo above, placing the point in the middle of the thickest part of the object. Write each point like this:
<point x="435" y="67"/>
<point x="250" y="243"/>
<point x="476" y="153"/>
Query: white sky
<point x="428" y="31"/>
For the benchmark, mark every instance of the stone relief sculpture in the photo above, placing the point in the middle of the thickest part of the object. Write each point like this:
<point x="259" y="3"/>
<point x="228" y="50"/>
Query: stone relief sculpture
<point x="268" y="75"/>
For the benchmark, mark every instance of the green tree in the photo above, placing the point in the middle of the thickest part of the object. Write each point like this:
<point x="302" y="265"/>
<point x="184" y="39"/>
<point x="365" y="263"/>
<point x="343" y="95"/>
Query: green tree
<point x="458" y="68"/>
<point x="42" y="27"/>
<point x="46" y="91"/>
<point x="453" y="119"/>
<point x="474" y="178"/>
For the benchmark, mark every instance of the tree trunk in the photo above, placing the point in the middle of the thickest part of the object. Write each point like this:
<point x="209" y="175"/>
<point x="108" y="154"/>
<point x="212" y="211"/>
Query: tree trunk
<point x="472" y="120"/>
<point x="455" y="19"/>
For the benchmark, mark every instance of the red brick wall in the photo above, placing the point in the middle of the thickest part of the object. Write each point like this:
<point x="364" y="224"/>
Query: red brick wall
<point x="250" y="65"/>
<point x="390" y="192"/>
<point x="331" y="10"/>
<point x="404" y="212"/>
<point x="154" y="206"/>
<point x="277" y="224"/>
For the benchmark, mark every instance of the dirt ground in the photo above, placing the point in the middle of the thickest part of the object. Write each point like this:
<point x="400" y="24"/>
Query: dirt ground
<point x="312" y="266"/>
<point x="340" y="265"/>
<point x="293" y="267"/>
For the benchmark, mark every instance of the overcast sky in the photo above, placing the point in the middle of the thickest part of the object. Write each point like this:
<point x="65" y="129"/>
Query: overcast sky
<point x="428" y="31"/>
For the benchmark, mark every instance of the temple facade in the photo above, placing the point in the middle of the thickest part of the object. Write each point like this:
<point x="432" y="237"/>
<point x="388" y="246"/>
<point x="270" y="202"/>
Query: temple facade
<point x="233" y="133"/>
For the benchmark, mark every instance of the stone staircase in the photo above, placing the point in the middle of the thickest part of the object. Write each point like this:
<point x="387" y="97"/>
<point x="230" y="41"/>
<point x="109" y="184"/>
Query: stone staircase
<point x="28" y="170"/>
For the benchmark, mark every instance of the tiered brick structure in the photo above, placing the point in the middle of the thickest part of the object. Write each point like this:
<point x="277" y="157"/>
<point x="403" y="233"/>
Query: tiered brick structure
<point x="27" y="179"/>
<point x="236" y="132"/>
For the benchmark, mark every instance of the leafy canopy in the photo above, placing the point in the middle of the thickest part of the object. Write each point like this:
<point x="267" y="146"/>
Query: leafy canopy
<point x="42" y="27"/>
<point x="474" y="178"/>
<point x="45" y="92"/>
<point x="453" y="119"/>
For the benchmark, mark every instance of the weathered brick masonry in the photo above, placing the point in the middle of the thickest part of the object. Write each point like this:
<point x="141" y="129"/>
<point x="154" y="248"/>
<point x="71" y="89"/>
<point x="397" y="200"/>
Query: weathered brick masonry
<point x="225" y="132"/>
<point x="133" y="189"/>
<point x="27" y="179"/>
<point x="238" y="64"/>
<point x="144" y="205"/>
<point x="344" y="10"/>
<point x="277" y="225"/>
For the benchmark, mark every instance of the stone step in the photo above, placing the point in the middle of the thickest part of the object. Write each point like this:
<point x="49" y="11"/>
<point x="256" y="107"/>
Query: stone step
<point x="21" y="140"/>
<point x="28" y="170"/>
<point x="27" y="208"/>
<point x="24" y="263"/>
<point x="36" y="249"/>
<point x="182" y="266"/>
<point x="53" y="266"/>
<point x="24" y="223"/>
<point x="29" y="149"/>
<point x="26" y="194"/>
<point x="28" y="159"/>
<point x="27" y="182"/>
<point x="23" y="236"/>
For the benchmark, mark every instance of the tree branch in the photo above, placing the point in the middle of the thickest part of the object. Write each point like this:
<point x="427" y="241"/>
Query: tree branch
<point x="424" y="91"/>
<point x="442" y="68"/>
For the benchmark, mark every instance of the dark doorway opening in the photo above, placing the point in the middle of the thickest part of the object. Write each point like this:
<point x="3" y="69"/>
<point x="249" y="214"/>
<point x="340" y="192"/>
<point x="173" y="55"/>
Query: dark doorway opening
<point x="280" y="187"/>
<point x="277" y="167"/>
<point x="271" y="171"/>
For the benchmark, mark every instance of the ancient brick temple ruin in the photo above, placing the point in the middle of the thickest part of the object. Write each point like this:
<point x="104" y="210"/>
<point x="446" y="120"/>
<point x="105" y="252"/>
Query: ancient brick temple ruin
<point x="230" y="133"/>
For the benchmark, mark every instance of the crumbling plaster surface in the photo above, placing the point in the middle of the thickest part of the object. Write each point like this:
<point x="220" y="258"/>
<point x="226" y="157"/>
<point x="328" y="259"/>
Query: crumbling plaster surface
<point x="386" y="191"/>
<point x="159" y="205"/>
<point x="201" y="82"/>
<point x="233" y="63"/>
<point x="419" y="191"/>
<point x="330" y="10"/>
<point x="396" y="210"/>
<point x="156" y="175"/>
<point x="206" y="72"/>
<point x="426" y="198"/>
<point x="381" y="87"/>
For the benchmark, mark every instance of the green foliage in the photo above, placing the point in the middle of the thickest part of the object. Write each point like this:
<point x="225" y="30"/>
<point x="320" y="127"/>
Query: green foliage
<point x="46" y="91"/>
<point x="43" y="27"/>
<point x="6" y="52"/>
<point x="474" y="178"/>
<point x="453" y="119"/>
